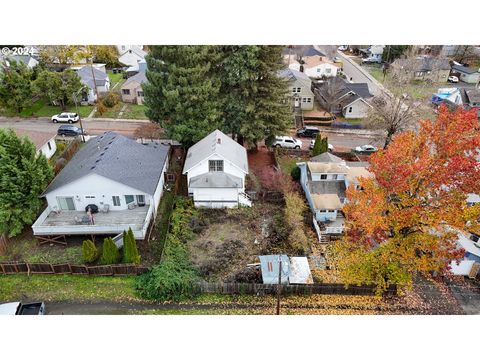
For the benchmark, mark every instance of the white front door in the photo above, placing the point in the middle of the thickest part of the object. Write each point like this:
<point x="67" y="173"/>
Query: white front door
<point x="66" y="203"/>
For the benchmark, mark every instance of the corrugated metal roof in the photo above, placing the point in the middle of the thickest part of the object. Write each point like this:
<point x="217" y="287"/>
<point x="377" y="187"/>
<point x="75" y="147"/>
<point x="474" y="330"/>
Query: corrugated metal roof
<point x="117" y="158"/>
<point x="300" y="271"/>
<point x="270" y="265"/>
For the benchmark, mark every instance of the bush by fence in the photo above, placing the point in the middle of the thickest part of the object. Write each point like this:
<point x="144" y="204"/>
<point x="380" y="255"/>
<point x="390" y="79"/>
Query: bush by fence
<point x="46" y="268"/>
<point x="66" y="155"/>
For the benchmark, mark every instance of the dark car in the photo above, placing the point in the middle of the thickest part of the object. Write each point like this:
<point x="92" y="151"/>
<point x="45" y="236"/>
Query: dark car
<point x="70" y="130"/>
<point x="308" y="131"/>
<point x="93" y="208"/>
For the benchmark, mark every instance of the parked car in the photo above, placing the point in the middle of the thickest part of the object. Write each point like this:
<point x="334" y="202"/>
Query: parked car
<point x="453" y="79"/>
<point x="343" y="47"/>
<point x="365" y="149"/>
<point x="308" y="131"/>
<point x="287" y="142"/>
<point x="312" y="144"/>
<point x="19" y="308"/>
<point x="70" y="130"/>
<point x="66" y="117"/>
<point x="371" y="60"/>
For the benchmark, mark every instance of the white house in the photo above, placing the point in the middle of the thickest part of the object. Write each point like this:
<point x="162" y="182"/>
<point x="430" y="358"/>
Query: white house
<point x="132" y="55"/>
<point x="451" y="95"/>
<point x="466" y="74"/>
<point x="44" y="141"/>
<point x="216" y="167"/>
<point x="315" y="67"/>
<point x="125" y="179"/>
<point x="471" y="260"/>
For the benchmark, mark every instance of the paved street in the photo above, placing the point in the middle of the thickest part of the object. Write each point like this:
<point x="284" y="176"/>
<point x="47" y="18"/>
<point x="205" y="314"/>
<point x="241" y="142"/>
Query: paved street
<point x="92" y="126"/>
<point x="345" y="142"/>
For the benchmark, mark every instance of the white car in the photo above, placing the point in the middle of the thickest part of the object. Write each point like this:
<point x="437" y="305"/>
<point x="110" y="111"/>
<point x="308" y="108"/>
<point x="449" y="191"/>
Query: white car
<point x="365" y="149"/>
<point x="287" y="142"/>
<point x="343" y="47"/>
<point x="453" y="79"/>
<point x="65" y="117"/>
<point x="330" y="146"/>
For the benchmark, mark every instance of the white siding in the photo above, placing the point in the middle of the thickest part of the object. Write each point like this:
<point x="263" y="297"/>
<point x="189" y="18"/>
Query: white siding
<point x="462" y="268"/>
<point x="49" y="151"/>
<point x="317" y="71"/>
<point x="330" y="177"/>
<point x="159" y="190"/>
<point x="95" y="185"/>
<point x="359" y="110"/>
<point x="470" y="78"/>
<point x="215" y="198"/>
<point x="130" y="58"/>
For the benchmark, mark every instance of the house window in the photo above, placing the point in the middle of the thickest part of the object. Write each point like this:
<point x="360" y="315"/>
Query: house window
<point x="215" y="165"/>
<point x="304" y="100"/>
<point x="319" y="70"/>
<point x="323" y="211"/>
<point x="334" y="176"/>
<point x="116" y="200"/>
<point x="66" y="203"/>
<point x="89" y="197"/>
<point x="141" y="200"/>
<point x="323" y="177"/>
<point x="123" y="47"/>
<point x="350" y="109"/>
<point x="126" y="91"/>
<point x="140" y="93"/>
<point x="49" y="146"/>
<point x="328" y="71"/>
<point x="309" y="100"/>
<point x="129" y="199"/>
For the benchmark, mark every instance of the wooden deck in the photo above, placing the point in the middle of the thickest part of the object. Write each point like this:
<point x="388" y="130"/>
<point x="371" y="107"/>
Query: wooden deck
<point x="113" y="222"/>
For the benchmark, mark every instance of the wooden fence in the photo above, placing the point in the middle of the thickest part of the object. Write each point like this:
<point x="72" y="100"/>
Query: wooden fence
<point x="299" y="289"/>
<point x="66" y="155"/>
<point x="46" y="268"/>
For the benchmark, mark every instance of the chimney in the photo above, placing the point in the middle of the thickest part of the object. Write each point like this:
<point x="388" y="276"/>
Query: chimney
<point x="301" y="68"/>
<point x="219" y="141"/>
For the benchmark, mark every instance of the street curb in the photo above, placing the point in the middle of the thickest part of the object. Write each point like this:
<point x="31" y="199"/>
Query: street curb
<point x="354" y="131"/>
<point x="112" y="119"/>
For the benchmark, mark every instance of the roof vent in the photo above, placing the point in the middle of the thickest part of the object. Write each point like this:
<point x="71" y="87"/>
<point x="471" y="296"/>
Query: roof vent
<point x="102" y="154"/>
<point x="93" y="167"/>
<point x="97" y="161"/>
<point x="219" y="140"/>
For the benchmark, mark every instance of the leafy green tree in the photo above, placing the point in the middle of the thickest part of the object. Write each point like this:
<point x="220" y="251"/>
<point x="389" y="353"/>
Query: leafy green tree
<point x="23" y="177"/>
<point x="58" y="87"/>
<point x="105" y="54"/>
<point x="110" y="254"/>
<point x="321" y="145"/>
<point x="15" y="86"/>
<point x="182" y="95"/>
<point x="253" y="94"/>
<point x="89" y="251"/>
<point x="130" y="251"/>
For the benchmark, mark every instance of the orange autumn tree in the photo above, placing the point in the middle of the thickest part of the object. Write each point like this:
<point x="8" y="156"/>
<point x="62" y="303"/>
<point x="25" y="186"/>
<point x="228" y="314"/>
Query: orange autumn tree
<point x="402" y="221"/>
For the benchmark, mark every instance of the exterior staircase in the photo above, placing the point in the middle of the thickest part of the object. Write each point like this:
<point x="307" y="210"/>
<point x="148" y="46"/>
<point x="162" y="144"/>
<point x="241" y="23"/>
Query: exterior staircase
<point x="118" y="240"/>
<point x="244" y="199"/>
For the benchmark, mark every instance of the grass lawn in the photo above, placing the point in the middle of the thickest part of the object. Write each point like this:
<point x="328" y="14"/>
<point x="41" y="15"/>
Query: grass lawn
<point x="41" y="109"/>
<point x="114" y="78"/>
<point x="67" y="287"/>
<point x="375" y="71"/>
<point x="27" y="249"/>
<point x="111" y="113"/>
<point x="134" y="111"/>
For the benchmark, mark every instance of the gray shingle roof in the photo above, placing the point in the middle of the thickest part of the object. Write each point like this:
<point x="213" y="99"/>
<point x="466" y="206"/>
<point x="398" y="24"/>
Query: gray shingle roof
<point x="215" y="180"/>
<point x="217" y="143"/>
<point x="85" y="74"/>
<point x="328" y="187"/>
<point x="292" y="75"/>
<point x="117" y="158"/>
<point x="140" y="78"/>
<point x="464" y="69"/>
<point x="424" y="64"/>
<point x="326" y="157"/>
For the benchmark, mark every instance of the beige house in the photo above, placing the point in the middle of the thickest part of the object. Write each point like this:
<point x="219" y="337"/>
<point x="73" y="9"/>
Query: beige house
<point x="421" y="68"/>
<point x="132" y="91"/>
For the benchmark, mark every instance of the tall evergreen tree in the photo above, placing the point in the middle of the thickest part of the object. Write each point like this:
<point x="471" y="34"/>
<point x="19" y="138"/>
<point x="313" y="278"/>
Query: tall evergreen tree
<point x="15" y="88"/>
<point x="182" y="95"/>
<point x="23" y="177"/>
<point x="253" y="93"/>
<point x="321" y="145"/>
<point x="110" y="254"/>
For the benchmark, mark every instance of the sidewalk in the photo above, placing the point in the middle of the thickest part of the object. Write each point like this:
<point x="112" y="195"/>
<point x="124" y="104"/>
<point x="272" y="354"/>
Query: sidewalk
<point x="116" y="120"/>
<point x="363" y="132"/>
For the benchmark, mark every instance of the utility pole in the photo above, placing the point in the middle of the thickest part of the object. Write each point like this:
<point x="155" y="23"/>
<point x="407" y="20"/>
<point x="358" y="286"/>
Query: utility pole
<point x="279" y="283"/>
<point x="75" y="94"/>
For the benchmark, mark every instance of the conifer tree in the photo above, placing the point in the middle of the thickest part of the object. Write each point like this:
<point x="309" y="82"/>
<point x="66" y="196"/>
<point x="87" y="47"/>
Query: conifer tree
<point x="89" y="251"/>
<point x="321" y="145"/>
<point x="130" y="251"/>
<point x="24" y="175"/>
<point x="110" y="254"/>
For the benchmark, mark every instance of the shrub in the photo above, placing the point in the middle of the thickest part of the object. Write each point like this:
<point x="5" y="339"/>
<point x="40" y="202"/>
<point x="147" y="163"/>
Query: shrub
<point x="61" y="146"/>
<point x="293" y="213"/>
<point x="321" y="145"/>
<point x="110" y="254"/>
<point x="278" y="181"/>
<point x="111" y="99"/>
<point x="89" y="252"/>
<point x="101" y="108"/>
<point x="130" y="251"/>
<point x="295" y="173"/>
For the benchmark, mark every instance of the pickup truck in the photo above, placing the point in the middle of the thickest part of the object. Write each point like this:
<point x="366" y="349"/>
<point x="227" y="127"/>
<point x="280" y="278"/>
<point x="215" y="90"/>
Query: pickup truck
<point x="19" y="308"/>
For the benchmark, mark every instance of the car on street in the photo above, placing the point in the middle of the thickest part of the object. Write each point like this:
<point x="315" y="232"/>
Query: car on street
<point x="19" y="308"/>
<point x="365" y="149"/>
<point x="372" y="60"/>
<point x="343" y="47"/>
<point x="453" y="79"/>
<point x="70" y="130"/>
<point x="312" y="144"/>
<point x="287" y="142"/>
<point x="66" y="117"/>
<point x="308" y="131"/>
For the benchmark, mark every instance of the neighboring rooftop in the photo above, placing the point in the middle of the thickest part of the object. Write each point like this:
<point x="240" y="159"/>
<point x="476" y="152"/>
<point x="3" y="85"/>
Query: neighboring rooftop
<point x="215" y="179"/>
<point x="117" y="158"/>
<point x="85" y="73"/>
<point x="217" y="143"/>
<point x="270" y="267"/>
<point x="423" y="64"/>
<point x="326" y="157"/>
<point x="464" y="69"/>
<point x="292" y="75"/>
<point x="38" y="138"/>
<point x="326" y="201"/>
<point x="140" y="78"/>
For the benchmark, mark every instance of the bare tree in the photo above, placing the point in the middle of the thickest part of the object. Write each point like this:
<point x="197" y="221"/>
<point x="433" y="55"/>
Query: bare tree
<point x="391" y="114"/>
<point x="329" y="92"/>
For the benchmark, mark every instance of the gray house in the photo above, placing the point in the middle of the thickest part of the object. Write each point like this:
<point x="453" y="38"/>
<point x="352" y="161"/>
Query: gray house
<point x="300" y="92"/>
<point x="91" y="76"/>
<point x="466" y="74"/>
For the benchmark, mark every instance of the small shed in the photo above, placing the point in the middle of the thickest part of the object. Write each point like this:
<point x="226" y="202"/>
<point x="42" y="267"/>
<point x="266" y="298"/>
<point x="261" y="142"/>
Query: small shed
<point x="270" y="265"/>
<point x="300" y="271"/>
